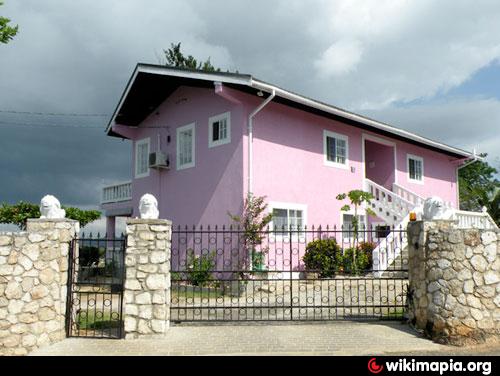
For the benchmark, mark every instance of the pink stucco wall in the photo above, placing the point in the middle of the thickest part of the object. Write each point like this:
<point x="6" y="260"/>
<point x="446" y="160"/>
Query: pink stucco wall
<point x="379" y="163"/>
<point x="203" y="194"/>
<point x="289" y="167"/>
<point x="288" y="161"/>
<point x="440" y="173"/>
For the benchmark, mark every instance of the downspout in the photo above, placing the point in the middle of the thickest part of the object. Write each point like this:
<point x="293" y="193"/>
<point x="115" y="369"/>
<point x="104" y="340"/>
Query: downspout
<point x="250" y="139"/>
<point x="474" y="159"/>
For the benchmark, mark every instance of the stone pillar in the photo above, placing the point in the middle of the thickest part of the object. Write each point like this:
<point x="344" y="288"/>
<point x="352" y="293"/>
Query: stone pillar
<point x="147" y="282"/>
<point x="33" y="284"/>
<point x="454" y="282"/>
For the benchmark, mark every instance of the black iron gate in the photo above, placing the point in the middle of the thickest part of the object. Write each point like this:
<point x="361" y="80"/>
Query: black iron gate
<point x="284" y="275"/>
<point x="95" y="288"/>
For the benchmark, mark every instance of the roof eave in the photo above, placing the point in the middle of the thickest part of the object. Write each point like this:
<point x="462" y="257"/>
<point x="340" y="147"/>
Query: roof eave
<point x="248" y="80"/>
<point x="358" y="118"/>
<point x="237" y="79"/>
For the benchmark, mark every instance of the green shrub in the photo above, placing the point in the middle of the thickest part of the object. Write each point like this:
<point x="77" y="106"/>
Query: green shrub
<point x="367" y="248"/>
<point x="323" y="256"/>
<point x="258" y="261"/>
<point x="199" y="268"/>
<point x="361" y="261"/>
<point x="89" y="255"/>
<point x="19" y="213"/>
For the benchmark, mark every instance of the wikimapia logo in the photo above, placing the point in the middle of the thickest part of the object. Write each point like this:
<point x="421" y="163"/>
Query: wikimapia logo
<point x="373" y="367"/>
<point x="404" y="365"/>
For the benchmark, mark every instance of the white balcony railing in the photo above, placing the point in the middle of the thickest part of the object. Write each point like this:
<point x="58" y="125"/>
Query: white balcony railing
<point x="481" y="220"/>
<point x="117" y="192"/>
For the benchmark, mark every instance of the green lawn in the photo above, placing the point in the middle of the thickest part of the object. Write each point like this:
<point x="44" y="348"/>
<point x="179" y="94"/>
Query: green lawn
<point x="90" y="321"/>
<point x="395" y="313"/>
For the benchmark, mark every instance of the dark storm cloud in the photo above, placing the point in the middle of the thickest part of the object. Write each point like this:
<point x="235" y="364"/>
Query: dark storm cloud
<point x="76" y="56"/>
<point x="71" y="163"/>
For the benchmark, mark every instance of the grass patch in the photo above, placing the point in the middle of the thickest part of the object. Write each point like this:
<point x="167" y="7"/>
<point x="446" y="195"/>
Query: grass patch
<point x="398" y="313"/>
<point x="96" y="321"/>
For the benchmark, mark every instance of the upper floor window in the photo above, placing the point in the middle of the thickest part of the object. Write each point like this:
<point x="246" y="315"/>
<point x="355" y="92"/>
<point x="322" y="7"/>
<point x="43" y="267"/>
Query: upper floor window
<point x="142" y="158"/>
<point x="335" y="149"/>
<point x="185" y="146"/>
<point x="219" y="130"/>
<point x="415" y="169"/>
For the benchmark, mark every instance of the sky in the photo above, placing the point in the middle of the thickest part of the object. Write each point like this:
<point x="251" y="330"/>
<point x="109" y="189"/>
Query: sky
<point x="426" y="66"/>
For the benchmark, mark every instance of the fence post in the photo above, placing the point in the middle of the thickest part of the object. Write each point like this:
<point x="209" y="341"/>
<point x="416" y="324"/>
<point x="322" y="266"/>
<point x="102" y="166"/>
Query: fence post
<point x="147" y="278"/>
<point x="33" y="284"/>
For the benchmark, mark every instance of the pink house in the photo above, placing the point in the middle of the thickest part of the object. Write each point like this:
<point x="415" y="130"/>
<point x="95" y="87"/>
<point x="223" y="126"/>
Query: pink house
<point x="202" y="141"/>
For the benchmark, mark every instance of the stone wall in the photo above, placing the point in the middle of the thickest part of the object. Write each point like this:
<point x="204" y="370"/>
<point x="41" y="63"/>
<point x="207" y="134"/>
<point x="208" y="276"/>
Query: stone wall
<point x="33" y="280"/>
<point x="147" y="280"/>
<point x="454" y="281"/>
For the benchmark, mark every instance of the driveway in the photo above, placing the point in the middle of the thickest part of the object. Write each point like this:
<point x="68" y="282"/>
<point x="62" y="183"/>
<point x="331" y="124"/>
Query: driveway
<point x="335" y="338"/>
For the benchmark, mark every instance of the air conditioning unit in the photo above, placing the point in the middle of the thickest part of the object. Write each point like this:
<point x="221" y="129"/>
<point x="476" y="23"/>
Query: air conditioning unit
<point x="158" y="159"/>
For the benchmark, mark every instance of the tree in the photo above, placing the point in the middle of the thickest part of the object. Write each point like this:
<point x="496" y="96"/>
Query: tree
<point x="357" y="198"/>
<point x="175" y="58"/>
<point x="253" y="220"/>
<point x="478" y="187"/>
<point x="19" y="213"/>
<point x="7" y="32"/>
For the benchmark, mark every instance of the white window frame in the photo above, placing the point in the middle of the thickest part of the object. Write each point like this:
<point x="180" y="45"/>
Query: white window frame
<point x="192" y="127"/>
<point x="288" y="206"/>
<point x="225" y="116"/>
<point x="416" y="158"/>
<point x="339" y="136"/>
<point x="361" y="212"/>
<point x="144" y="141"/>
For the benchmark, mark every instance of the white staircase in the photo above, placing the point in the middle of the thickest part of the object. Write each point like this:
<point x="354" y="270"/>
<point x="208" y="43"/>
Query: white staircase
<point x="389" y="206"/>
<point x="394" y="208"/>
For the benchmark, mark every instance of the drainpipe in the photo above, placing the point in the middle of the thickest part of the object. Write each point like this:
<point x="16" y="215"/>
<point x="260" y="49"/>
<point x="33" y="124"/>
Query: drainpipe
<point x="250" y="139"/>
<point x="475" y="158"/>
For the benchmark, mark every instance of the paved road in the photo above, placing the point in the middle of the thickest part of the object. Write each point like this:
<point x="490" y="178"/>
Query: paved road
<point x="336" y="338"/>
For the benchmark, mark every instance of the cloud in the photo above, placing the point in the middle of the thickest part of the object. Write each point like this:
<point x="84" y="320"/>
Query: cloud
<point x="403" y="50"/>
<point x="374" y="57"/>
<point x="466" y="123"/>
<point x="340" y="58"/>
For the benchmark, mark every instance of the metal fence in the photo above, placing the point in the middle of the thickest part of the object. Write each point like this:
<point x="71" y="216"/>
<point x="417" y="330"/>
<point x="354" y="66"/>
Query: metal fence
<point x="95" y="287"/>
<point x="317" y="273"/>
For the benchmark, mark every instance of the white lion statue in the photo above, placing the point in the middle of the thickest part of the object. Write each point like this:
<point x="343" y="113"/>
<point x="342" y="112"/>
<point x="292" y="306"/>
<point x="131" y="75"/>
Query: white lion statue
<point x="434" y="208"/>
<point x="50" y="207"/>
<point x="148" y="207"/>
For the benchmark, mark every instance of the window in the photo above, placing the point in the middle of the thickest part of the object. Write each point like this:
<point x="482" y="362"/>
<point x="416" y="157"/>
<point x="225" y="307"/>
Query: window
<point x="219" y="130"/>
<point x="142" y="158"/>
<point x="185" y="146"/>
<point x="415" y="169"/>
<point x="348" y="229"/>
<point x="336" y="149"/>
<point x="287" y="217"/>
